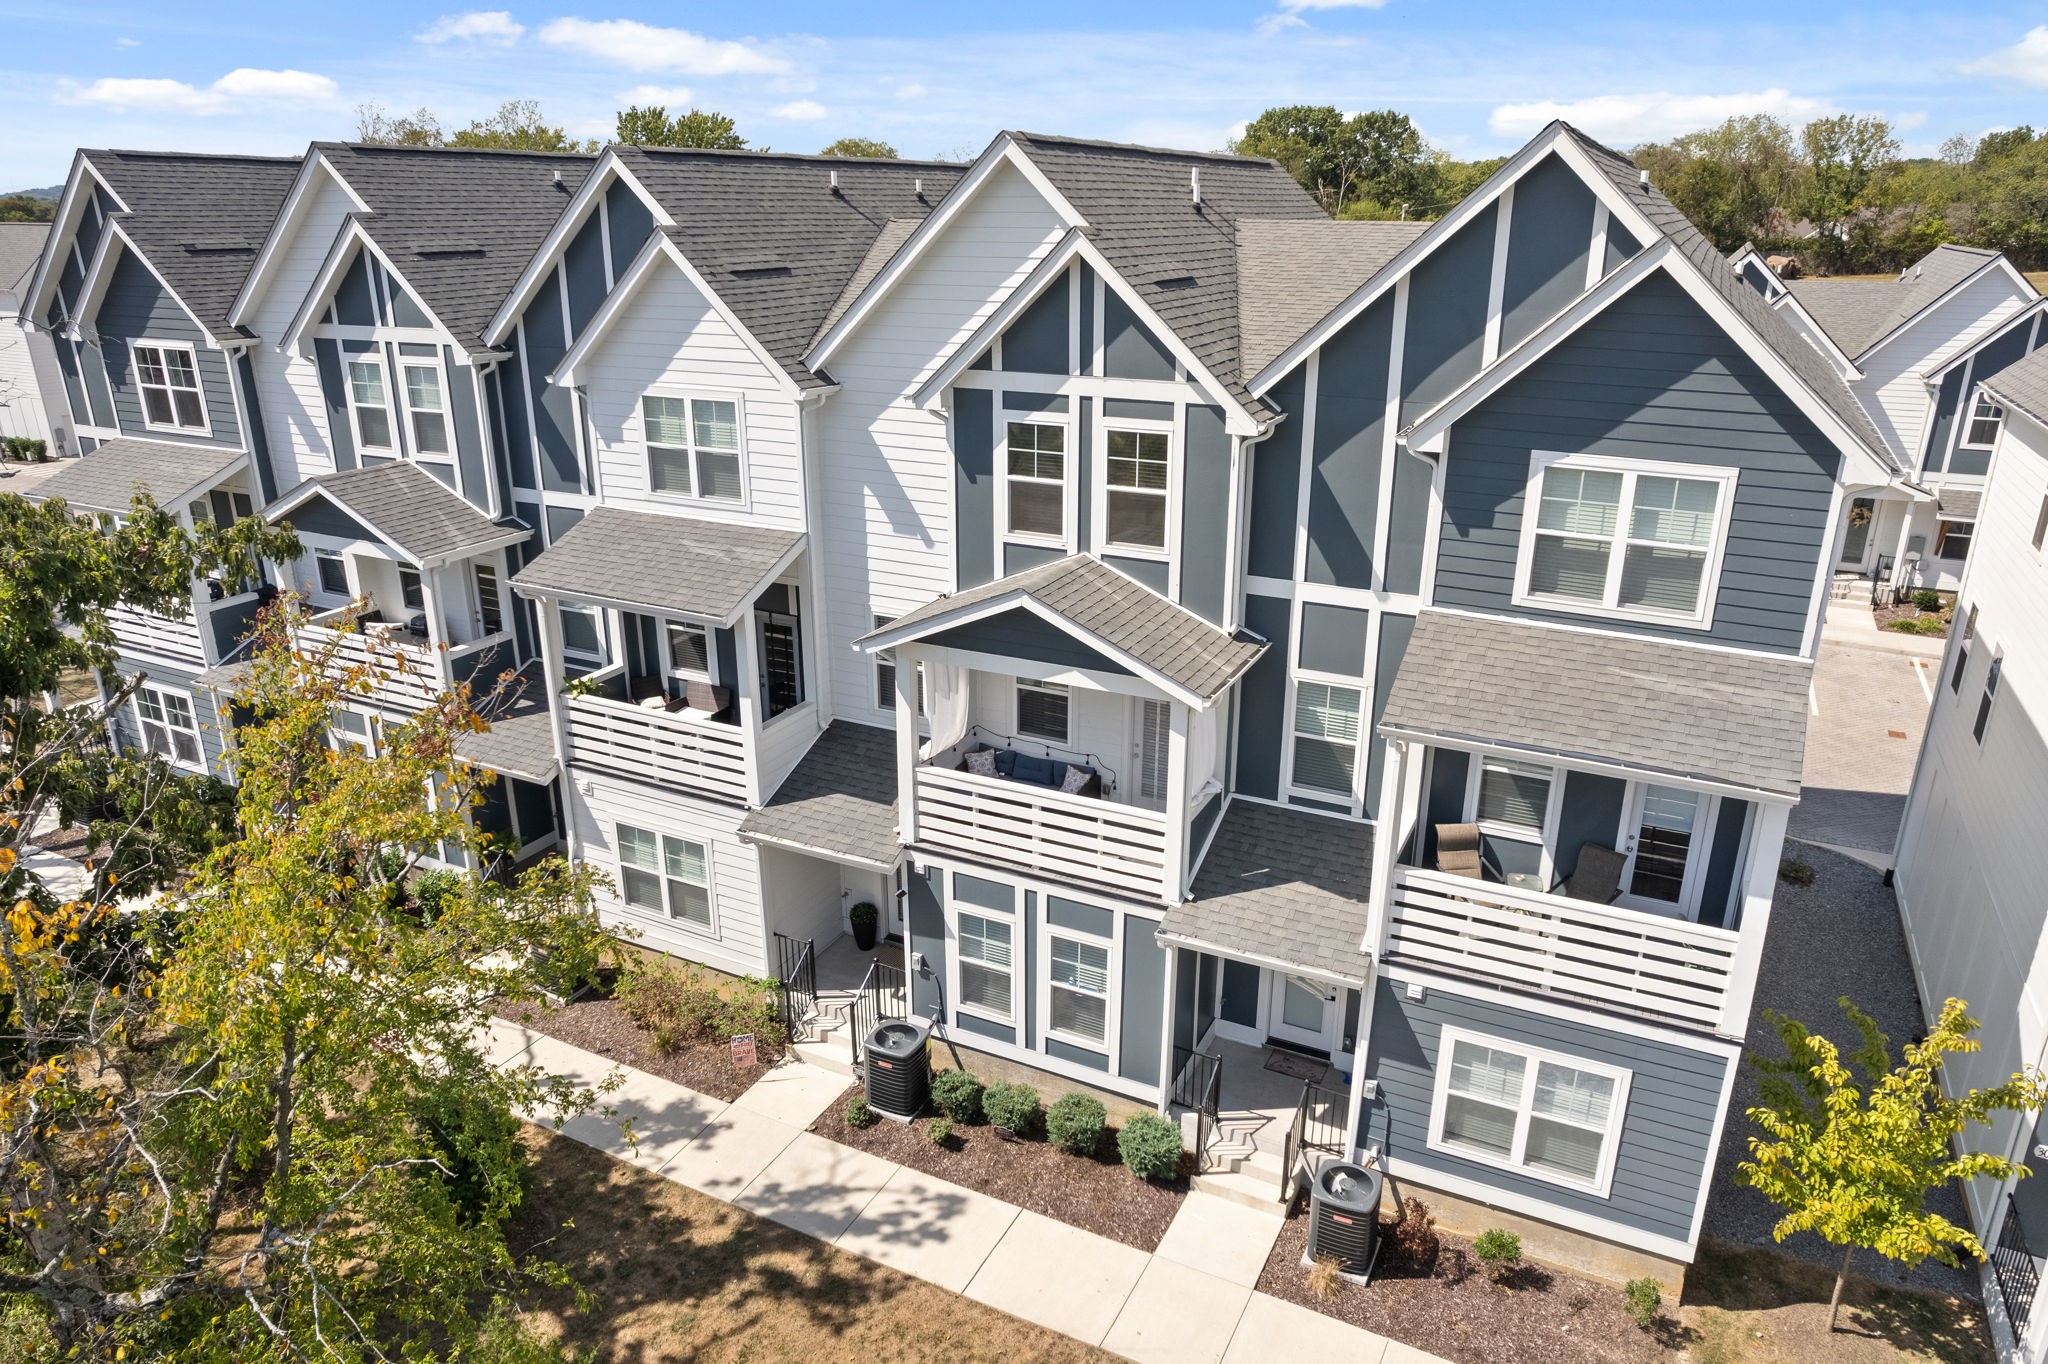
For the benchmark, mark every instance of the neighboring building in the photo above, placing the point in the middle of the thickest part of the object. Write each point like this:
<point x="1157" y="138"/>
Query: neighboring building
<point x="1972" y="862"/>
<point x="28" y="361"/>
<point x="1149" y="592"/>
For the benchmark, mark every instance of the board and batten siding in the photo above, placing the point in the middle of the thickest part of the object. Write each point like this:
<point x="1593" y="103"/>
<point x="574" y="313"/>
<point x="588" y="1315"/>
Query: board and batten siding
<point x="288" y="385"/>
<point x="1666" y="1137"/>
<point x="887" y="464"/>
<point x="138" y="307"/>
<point x="1651" y="378"/>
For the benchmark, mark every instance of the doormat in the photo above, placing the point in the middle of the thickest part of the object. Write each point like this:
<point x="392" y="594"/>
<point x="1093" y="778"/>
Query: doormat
<point x="1298" y="1067"/>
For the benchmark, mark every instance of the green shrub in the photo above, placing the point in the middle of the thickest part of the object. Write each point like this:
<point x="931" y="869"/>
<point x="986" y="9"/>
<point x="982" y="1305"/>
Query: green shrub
<point x="680" y="1007"/>
<point x="1641" y="1298"/>
<point x="431" y="891"/>
<point x="36" y="450"/>
<point x="940" y="1131"/>
<point x="1014" y="1107"/>
<point x="482" y="1164"/>
<point x="1500" y="1251"/>
<point x="1150" y="1146"/>
<point x="1927" y="599"/>
<point x="1795" y="871"/>
<point x="858" y="1114"/>
<point x="957" y="1094"/>
<point x="1075" y="1123"/>
<point x="1919" y="625"/>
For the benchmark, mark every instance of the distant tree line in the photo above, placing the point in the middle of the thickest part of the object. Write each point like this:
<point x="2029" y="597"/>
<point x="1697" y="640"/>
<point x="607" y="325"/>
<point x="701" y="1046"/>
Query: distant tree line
<point x="1369" y="165"/>
<point x="519" y="125"/>
<point x="26" y="208"/>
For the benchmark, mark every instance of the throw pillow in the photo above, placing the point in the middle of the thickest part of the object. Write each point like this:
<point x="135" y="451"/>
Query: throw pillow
<point x="1077" y="777"/>
<point x="982" y="762"/>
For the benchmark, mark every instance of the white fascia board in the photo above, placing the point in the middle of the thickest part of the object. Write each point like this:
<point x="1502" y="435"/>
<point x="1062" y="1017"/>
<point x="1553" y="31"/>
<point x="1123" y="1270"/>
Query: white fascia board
<point x="1003" y="151"/>
<point x="286" y="226"/>
<point x="1919" y="314"/>
<point x="70" y="211"/>
<point x="581" y="205"/>
<point x="1938" y="370"/>
<point x="307" y="491"/>
<point x="1817" y="335"/>
<point x="1597" y="766"/>
<point x="329" y="277"/>
<point x="567" y="374"/>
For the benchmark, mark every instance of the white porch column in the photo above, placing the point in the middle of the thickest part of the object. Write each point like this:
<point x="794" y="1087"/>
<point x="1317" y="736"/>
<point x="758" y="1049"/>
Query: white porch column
<point x="553" y="674"/>
<point x="1759" y="885"/>
<point x="1175" y="887"/>
<point x="1166" y="1076"/>
<point x="437" y="628"/>
<point x="1389" y="836"/>
<point x="747" y="687"/>
<point x="906" y="747"/>
<point x="1899" y="549"/>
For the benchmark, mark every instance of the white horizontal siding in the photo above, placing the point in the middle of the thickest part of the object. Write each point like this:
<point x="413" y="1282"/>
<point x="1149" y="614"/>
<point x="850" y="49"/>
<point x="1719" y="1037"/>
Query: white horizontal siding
<point x="784" y="741"/>
<point x="288" y="386"/>
<point x="670" y="339"/>
<point x="886" y="463"/>
<point x="21" y="396"/>
<point x="1892" y="387"/>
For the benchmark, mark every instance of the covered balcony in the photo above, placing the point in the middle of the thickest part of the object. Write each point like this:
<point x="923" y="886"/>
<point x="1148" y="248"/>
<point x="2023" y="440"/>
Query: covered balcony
<point x="1586" y="816"/>
<point x="1067" y="723"/>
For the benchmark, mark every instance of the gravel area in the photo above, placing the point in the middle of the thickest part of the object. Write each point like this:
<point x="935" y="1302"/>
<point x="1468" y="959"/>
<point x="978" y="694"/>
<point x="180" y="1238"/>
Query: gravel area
<point x="598" y="1025"/>
<point x="1838" y="936"/>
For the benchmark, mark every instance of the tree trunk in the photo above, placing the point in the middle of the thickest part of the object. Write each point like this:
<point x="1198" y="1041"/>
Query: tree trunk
<point x="1835" y="1302"/>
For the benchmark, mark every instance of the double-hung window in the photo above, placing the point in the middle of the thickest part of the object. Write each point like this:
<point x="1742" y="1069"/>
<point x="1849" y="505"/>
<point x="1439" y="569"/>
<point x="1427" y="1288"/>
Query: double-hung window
<point x="331" y="571"/>
<point x="987" y="979"/>
<point x="1136" y="474"/>
<point x="168" y="378"/>
<point x="1079" y="985"/>
<point x="1986" y="417"/>
<point x="411" y="590"/>
<point x="1042" y="710"/>
<point x="1990" y="695"/>
<point x="353" y="729"/>
<point x="1036" y="482"/>
<point x="885" y="676"/>
<point x="1952" y="539"/>
<point x="1553" y="1117"/>
<point x="689" y="651"/>
<point x="169" y="730"/>
<point x="1326" y="729"/>
<point x="693" y="447"/>
<point x="1514" y="794"/>
<point x="428" y="409"/>
<point x="371" y="404"/>
<point x="1620" y="537"/>
<point x="665" y="875"/>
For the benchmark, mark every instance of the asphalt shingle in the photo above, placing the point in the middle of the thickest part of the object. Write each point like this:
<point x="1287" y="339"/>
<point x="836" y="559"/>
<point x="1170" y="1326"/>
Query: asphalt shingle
<point x="1858" y="313"/>
<point x="109" y="478"/>
<point x="682" y="565"/>
<point x="840" y="800"/>
<point x="1292" y="271"/>
<point x="521" y="740"/>
<point x="1282" y="885"/>
<point x="2024" y="385"/>
<point x="21" y="245"/>
<point x="410" y="508"/>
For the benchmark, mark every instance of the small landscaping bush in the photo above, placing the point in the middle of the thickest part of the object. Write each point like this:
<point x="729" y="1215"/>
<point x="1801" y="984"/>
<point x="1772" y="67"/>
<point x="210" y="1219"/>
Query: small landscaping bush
<point x="940" y="1131"/>
<point x="1011" y="1107"/>
<point x="1413" y="1238"/>
<point x="1324" y="1279"/>
<point x="680" y="1007"/>
<point x="1795" y="871"/>
<point x="858" y="1114"/>
<point x="1499" y="1251"/>
<point x="431" y="891"/>
<point x="957" y="1094"/>
<point x="1927" y="599"/>
<point x="1641" y="1298"/>
<point x="1074" y="1124"/>
<point x="1919" y="625"/>
<point x="1150" y="1146"/>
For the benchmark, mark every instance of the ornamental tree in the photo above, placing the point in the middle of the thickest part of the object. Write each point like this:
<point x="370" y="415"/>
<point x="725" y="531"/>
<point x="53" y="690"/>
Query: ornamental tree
<point x="1851" y="1155"/>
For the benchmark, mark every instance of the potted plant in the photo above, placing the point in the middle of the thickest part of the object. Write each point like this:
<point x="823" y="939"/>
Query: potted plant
<point x="864" y="916"/>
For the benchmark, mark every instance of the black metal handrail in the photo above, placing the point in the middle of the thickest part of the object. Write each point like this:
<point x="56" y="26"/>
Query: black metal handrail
<point x="882" y="994"/>
<point x="796" y="976"/>
<point x="1318" y="1125"/>
<point x="2012" y="1264"/>
<point x="1198" y="1085"/>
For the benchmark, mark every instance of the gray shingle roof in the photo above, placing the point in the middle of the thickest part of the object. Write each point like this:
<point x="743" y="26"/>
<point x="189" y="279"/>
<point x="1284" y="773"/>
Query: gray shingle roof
<point x="459" y="223"/>
<point x="1178" y="257"/>
<point x="1281" y="885"/>
<point x="894" y="233"/>
<point x="2024" y="385"/>
<point x="1958" y="504"/>
<point x="199" y="220"/>
<point x="1647" y="704"/>
<point x="521" y="740"/>
<point x="676" y="564"/>
<point x="109" y="478"/>
<point x="768" y="233"/>
<point x="21" y="245"/>
<point x="1292" y="271"/>
<point x="409" y="507"/>
<point x="1858" y="313"/>
<point x="1117" y="610"/>
<point x="840" y="800"/>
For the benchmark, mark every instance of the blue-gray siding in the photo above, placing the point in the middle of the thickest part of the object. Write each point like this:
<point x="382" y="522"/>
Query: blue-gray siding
<point x="138" y="307"/>
<point x="1276" y="487"/>
<point x="469" y="435"/>
<point x="1394" y="634"/>
<point x="553" y="413"/>
<point x="631" y="222"/>
<point x="1144" y="1001"/>
<point x="327" y="360"/>
<point x="1018" y="633"/>
<point x="927" y="925"/>
<point x="1548" y="235"/>
<point x="1262" y="700"/>
<point x="974" y="484"/>
<point x="1036" y="341"/>
<point x="1719" y="902"/>
<point x="1129" y="349"/>
<point x="1666" y="1134"/>
<point x="1205" y="513"/>
<point x="1446" y="326"/>
<point x="1350" y="440"/>
<point x="1652" y="377"/>
<point x="1590" y="812"/>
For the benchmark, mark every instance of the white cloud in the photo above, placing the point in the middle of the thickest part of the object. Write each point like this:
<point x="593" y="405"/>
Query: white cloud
<point x="1629" y="119"/>
<point x="644" y="47"/>
<point x="495" y="27"/>
<point x="127" y="42"/>
<point x="2025" y="61"/>
<point x="169" y="96"/>
<point x="911" y="91"/>
<point x="252" y="83"/>
<point x="662" y="95"/>
<point x="804" y="110"/>
<point x="1906" y="123"/>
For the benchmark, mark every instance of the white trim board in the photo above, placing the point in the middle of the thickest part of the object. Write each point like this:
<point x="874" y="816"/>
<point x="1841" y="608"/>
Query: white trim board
<point x="593" y="190"/>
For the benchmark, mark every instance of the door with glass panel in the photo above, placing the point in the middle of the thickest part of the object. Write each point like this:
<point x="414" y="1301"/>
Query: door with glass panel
<point x="1856" y="539"/>
<point x="1666" y="851"/>
<point x="1304" y="1012"/>
<point x="1153" y="723"/>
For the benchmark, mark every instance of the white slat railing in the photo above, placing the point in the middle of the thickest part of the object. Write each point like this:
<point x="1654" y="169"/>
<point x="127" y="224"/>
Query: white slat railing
<point x="683" y="750"/>
<point x="167" y="637"/>
<point x="1119" y="846"/>
<point x="411" y="676"/>
<point x="1666" y="969"/>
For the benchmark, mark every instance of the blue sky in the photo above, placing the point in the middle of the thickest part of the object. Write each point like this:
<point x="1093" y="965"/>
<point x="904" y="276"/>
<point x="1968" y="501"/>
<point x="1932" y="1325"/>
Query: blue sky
<point x="940" y="79"/>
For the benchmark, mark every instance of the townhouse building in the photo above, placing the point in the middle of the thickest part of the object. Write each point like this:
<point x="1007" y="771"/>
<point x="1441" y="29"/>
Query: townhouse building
<point x="1343" y="681"/>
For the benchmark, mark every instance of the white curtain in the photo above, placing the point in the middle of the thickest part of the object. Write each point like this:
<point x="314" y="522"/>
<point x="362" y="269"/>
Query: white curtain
<point x="945" y="703"/>
<point x="1203" y="726"/>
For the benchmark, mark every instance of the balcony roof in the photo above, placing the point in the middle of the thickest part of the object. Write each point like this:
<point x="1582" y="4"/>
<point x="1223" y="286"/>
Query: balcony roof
<point x="670" y="565"/>
<point x="1649" y="706"/>
<point x="417" y="515"/>
<point x="1108" y="611"/>
<point x="839" y="802"/>
<point x="521" y="740"/>
<point x="1281" y="887"/>
<point x="110" y="478"/>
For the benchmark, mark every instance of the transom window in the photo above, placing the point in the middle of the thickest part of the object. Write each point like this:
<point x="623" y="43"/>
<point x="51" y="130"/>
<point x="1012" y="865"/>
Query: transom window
<point x="689" y="650"/>
<point x="1080" y="989"/>
<point x="1986" y="417"/>
<point x="1326" y="724"/>
<point x="1553" y="1117"/>
<point x="169" y="729"/>
<point x="1037" y="479"/>
<point x="429" y="412"/>
<point x="1137" y="482"/>
<point x="987" y="981"/>
<point x="693" y="447"/>
<point x="1514" y="793"/>
<point x="168" y="377"/>
<point x="667" y="875"/>
<point x="1042" y="710"/>
<point x="1621" y="538"/>
<point x="371" y="405"/>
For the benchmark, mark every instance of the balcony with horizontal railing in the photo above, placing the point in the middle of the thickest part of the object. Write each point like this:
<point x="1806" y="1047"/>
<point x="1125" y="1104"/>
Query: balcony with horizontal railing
<point x="176" y="639"/>
<point x="656" y="740"/>
<point x="1065" y="836"/>
<point x="409" y="674"/>
<point x="1664" y="969"/>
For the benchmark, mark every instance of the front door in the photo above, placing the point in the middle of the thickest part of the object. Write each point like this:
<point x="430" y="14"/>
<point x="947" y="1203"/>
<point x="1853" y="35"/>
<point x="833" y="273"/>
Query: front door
<point x="1856" y="539"/>
<point x="1667" y="851"/>
<point x="1304" y="1012"/>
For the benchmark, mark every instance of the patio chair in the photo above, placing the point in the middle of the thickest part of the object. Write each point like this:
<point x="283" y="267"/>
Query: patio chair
<point x="1597" y="875"/>
<point x="1457" y="851"/>
<point x="702" y="696"/>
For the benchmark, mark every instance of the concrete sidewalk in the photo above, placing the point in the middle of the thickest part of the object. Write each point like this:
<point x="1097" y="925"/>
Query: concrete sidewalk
<point x="1193" y="1299"/>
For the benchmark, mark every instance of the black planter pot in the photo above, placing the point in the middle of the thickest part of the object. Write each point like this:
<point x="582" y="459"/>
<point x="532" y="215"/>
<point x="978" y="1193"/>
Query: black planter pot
<point x="864" y="937"/>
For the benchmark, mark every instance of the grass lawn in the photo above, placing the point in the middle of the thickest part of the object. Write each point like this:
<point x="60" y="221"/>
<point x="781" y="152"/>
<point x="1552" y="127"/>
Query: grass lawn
<point x="676" y="1275"/>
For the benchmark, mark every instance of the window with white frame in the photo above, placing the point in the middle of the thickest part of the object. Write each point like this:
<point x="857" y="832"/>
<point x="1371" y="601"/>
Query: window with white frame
<point x="1513" y="794"/>
<point x="987" y="981"/>
<point x="330" y="571"/>
<point x="1955" y="678"/>
<point x="885" y="676"/>
<point x="689" y="651"/>
<point x="1624" y="537"/>
<point x="1136" y="474"/>
<point x="169" y="728"/>
<point x="1986" y="417"/>
<point x="693" y="447"/>
<point x="1554" y="1117"/>
<point x="1079" y="986"/>
<point x="1035" y="484"/>
<point x="1952" y="539"/>
<point x="490" y="604"/>
<point x="352" y="729"/>
<point x="1042" y="710"/>
<point x="1991" y="677"/>
<point x="370" y="403"/>
<point x="411" y="590"/>
<point x="168" y="379"/>
<point x="665" y="875"/>
<point x="1326" y="729"/>
<point x="582" y="633"/>
<point x="428" y="409"/>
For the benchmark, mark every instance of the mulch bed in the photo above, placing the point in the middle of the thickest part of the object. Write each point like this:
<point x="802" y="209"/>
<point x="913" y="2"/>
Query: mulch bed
<point x="598" y="1025"/>
<point x="1452" y="1309"/>
<point x="1886" y="615"/>
<point x="1095" y="1193"/>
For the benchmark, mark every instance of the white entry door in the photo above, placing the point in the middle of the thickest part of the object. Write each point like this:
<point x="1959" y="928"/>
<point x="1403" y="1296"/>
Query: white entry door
<point x="1667" y="851"/>
<point x="1151" y="725"/>
<point x="1304" y="1012"/>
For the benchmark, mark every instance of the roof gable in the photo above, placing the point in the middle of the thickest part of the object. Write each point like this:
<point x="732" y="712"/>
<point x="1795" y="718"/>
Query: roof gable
<point x="406" y="508"/>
